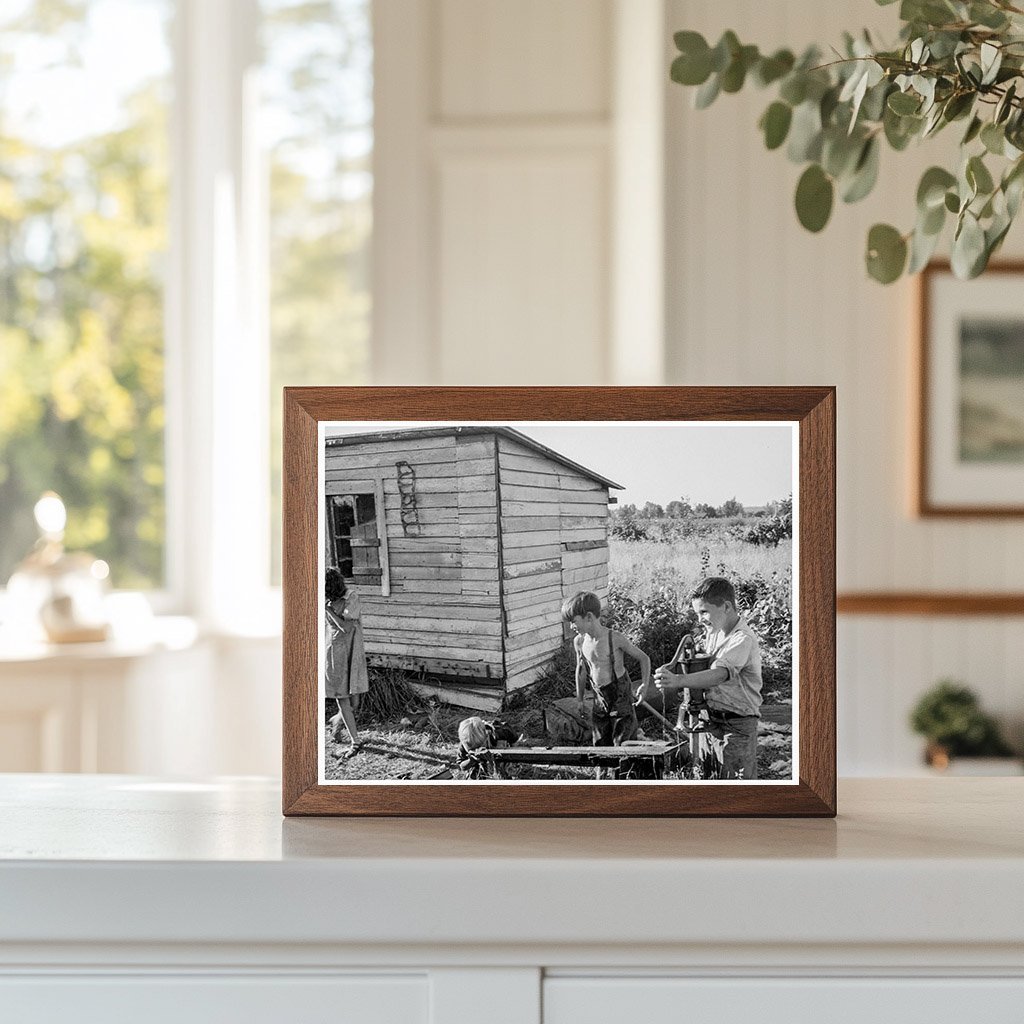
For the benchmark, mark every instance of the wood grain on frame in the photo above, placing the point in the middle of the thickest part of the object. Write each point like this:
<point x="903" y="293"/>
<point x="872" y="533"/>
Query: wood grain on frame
<point x="812" y="408"/>
<point x="916" y="603"/>
<point x="921" y="501"/>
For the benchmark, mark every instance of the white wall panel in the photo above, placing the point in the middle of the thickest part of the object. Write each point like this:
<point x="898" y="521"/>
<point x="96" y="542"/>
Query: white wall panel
<point x="522" y="202"/>
<point x="522" y="286"/>
<point x="530" y="58"/>
<point x="752" y="298"/>
<point x="493" y="204"/>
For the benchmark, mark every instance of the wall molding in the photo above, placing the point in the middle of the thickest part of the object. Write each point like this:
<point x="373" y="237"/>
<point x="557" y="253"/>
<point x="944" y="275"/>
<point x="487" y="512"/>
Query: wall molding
<point x="928" y="603"/>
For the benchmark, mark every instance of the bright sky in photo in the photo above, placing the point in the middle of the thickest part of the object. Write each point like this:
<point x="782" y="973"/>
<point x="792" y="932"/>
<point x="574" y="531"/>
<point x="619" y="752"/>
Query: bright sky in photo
<point x="662" y="462"/>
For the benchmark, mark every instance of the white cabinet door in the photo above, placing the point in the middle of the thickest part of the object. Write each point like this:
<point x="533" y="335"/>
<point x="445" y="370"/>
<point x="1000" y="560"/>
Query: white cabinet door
<point x="205" y="999"/>
<point x="665" y="1000"/>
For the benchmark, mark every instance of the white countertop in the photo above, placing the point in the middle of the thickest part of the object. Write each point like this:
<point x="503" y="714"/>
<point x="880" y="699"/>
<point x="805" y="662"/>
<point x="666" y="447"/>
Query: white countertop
<point x="124" y="859"/>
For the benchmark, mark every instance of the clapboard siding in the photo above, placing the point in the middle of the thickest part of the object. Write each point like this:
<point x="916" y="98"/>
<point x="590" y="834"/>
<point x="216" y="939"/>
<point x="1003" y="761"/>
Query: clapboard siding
<point x="546" y="507"/>
<point x="539" y="616"/>
<point x="467" y="545"/>
<point x="539" y="640"/>
<point x="442" y="615"/>
<point x="441" y="626"/>
<point x="554" y="495"/>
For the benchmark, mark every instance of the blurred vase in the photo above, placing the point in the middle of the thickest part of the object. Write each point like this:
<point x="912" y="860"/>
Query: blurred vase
<point x="56" y="595"/>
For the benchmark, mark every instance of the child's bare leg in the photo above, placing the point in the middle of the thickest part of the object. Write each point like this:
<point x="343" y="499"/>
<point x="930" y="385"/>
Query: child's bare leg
<point x="345" y="715"/>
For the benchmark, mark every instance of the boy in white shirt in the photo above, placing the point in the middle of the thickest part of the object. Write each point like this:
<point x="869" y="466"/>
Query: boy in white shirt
<point x="732" y="684"/>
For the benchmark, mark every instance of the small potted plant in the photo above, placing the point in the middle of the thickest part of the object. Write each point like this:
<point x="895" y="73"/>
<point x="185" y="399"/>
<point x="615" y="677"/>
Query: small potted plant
<point x="950" y="717"/>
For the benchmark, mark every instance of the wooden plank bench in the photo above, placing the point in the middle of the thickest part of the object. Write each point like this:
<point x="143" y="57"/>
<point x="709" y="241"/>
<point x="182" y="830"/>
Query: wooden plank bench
<point x="635" y="758"/>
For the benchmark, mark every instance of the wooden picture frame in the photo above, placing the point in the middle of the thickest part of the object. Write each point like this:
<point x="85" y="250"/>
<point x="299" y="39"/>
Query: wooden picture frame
<point x="810" y="411"/>
<point x="959" y="469"/>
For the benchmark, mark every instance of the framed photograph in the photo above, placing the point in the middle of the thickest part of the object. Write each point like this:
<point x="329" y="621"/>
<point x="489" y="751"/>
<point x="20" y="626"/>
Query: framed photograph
<point x="970" y="443"/>
<point x="559" y="601"/>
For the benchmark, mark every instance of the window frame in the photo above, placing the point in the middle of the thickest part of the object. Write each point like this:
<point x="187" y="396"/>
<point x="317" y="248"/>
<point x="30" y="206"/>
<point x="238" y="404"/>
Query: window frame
<point x="374" y="486"/>
<point x="216" y="318"/>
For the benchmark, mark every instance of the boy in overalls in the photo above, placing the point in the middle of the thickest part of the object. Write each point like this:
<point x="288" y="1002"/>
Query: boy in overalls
<point x="599" y="658"/>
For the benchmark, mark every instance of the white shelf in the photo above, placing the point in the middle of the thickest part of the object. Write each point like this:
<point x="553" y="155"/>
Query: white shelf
<point x="196" y="900"/>
<point x="122" y="859"/>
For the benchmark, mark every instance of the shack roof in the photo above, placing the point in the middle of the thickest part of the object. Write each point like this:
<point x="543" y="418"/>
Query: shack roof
<point x="344" y="440"/>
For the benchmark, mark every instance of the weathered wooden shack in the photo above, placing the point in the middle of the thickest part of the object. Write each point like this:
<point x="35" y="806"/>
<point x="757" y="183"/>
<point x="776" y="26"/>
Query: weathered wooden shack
<point x="463" y="542"/>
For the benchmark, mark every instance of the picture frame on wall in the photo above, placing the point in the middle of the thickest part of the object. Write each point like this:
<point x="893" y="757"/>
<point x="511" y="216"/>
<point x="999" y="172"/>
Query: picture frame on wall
<point x="559" y="601"/>
<point x="969" y="449"/>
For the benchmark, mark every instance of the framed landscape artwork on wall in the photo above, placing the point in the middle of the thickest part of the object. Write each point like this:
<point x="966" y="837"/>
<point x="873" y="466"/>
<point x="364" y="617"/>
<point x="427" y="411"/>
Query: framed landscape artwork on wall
<point x="559" y="601"/>
<point x="970" y="423"/>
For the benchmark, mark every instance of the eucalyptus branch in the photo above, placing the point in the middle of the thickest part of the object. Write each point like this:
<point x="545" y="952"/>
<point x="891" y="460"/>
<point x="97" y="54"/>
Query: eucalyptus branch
<point x="833" y="118"/>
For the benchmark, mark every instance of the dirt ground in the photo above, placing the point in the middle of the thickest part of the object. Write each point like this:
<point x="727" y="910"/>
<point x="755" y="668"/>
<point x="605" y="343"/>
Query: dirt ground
<point x="425" y="745"/>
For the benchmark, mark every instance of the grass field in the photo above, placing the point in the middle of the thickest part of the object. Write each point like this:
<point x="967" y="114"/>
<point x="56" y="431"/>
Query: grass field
<point x="643" y="568"/>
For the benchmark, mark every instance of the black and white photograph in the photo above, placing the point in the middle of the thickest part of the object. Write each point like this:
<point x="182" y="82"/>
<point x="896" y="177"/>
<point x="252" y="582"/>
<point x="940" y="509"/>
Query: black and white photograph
<point x="548" y="601"/>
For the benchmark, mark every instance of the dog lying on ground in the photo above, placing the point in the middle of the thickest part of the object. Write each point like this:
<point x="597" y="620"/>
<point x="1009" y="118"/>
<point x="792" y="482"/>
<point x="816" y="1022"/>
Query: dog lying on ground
<point x="475" y="734"/>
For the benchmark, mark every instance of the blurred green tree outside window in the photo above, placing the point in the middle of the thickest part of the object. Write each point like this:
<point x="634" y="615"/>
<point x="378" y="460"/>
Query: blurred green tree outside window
<point x="317" y="122"/>
<point x="83" y="237"/>
<point x="84" y="212"/>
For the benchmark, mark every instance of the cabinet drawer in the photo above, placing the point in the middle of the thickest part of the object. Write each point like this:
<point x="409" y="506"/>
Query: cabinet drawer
<point x="597" y="1000"/>
<point x="202" y="999"/>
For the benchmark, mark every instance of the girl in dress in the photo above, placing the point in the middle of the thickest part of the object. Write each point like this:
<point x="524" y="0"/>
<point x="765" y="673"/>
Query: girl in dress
<point x="346" y="677"/>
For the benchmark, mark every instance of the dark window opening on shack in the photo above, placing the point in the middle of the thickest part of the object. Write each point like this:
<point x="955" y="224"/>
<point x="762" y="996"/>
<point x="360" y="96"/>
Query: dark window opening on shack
<point x="353" y="537"/>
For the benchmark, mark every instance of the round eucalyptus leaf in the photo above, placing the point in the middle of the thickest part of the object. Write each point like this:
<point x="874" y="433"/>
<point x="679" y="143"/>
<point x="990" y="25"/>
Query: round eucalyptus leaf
<point x="794" y="89"/>
<point x="839" y="151"/>
<point x="1013" y="187"/>
<point x="814" y="195"/>
<point x="978" y="176"/>
<point x="987" y="15"/>
<point x="952" y="202"/>
<point x="771" y="69"/>
<point x="874" y="103"/>
<point x="968" y="248"/>
<point x="865" y="174"/>
<point x="693" y="65"/>
<point x="973" y="130"/>
<point x="922" y="248"/>
<point x="735" y="74"/>
<point x="827" y="105"/>
<point x="995" y="234"/>
<point x="931" y="221"/>
<point x="944" y="44"/>
<point x="933" y="187"/>
<point x="725" y="50"/>
<point x="887" y="253"/>
<point x="958" y="106"/>
<point x="805" y="133"/>
<point x="689" y="42"/>
<point x="899" y="130"/>
<point x="903" y="103"/>
<point x="993" y="138"/>
<point x="707" y="93"/>
<point x="775" y="123"/>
